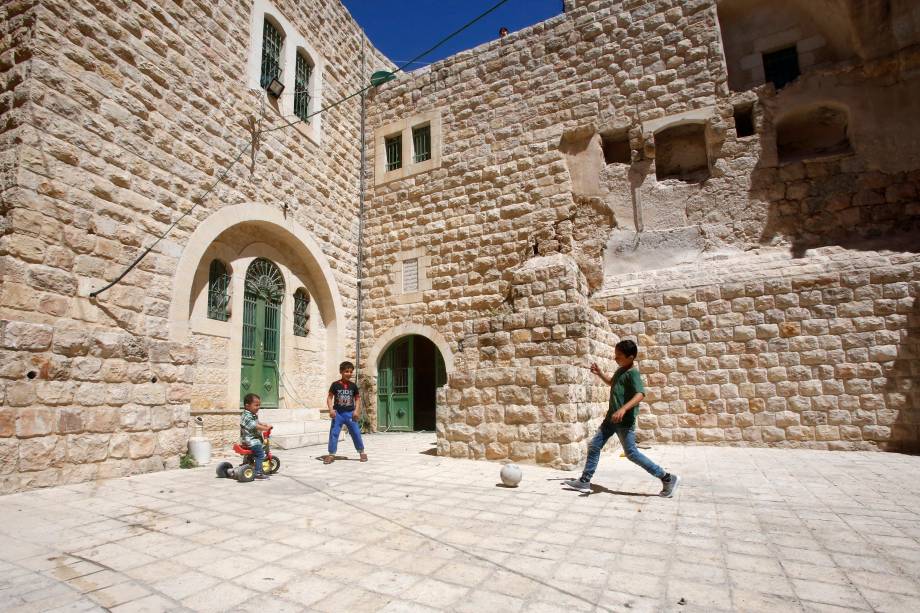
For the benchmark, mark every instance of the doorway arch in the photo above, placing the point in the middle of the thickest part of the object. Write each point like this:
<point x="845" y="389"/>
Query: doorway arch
<point x="395" y="335"/>
<point x="408" y="375"/>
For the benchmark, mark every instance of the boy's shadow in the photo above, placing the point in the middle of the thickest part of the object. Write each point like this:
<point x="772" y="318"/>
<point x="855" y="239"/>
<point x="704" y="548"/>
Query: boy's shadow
<point x="338" y="458"/>
<point x="600" y="489"/>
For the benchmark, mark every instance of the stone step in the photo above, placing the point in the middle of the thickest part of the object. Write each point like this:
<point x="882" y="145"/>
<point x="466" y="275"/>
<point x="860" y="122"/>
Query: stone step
<point x="315" y="432"/>
<point x="273" y="416"/>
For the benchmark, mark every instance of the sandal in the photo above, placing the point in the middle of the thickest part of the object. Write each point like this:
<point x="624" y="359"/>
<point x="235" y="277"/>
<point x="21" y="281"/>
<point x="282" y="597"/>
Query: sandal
<point x="328" y="459"/>
<point x="364" y="457"/>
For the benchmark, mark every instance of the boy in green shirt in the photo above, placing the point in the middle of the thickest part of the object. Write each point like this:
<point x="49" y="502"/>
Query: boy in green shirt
<point x="626" y="392"/>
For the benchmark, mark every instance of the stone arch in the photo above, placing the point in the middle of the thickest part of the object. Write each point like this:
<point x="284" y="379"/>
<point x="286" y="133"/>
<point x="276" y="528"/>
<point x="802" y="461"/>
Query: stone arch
<point x="393" y="334"/>
<point x="326" y="296"/>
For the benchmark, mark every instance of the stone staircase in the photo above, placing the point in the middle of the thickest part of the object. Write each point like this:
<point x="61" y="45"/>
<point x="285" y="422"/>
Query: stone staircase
<point x="295" y="428"/>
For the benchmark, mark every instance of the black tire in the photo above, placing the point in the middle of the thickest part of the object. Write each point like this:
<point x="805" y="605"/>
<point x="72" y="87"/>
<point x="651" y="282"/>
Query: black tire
<point x="274" y="465"/>
<point x="224" y="469"/>
<point x="245" y="473"/>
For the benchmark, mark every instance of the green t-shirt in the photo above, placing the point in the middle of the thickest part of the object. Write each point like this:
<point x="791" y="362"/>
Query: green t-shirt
<point x="626" y="384"/>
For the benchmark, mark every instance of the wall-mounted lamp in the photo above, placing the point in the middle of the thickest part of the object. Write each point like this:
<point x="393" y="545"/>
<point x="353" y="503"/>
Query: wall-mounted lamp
<point x="275" y="87"/>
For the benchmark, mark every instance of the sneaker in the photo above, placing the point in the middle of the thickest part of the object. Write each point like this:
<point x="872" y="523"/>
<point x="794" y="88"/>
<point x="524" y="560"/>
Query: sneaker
<point x="578" y="484"/>
<point x="669" y="487"/>
<point x="363" y="457"/>
<point x="261" y="477"/>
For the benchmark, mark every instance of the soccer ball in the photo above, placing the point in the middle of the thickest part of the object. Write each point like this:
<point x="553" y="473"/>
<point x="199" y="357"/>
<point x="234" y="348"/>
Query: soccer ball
<point x="511" y="475"/>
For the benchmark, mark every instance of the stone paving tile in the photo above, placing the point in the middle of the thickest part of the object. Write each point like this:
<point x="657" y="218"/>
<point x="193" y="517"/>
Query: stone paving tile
<point x="750" y="530"/>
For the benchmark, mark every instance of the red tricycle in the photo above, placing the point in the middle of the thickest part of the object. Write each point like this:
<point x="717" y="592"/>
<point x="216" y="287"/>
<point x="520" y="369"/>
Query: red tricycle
<point x="246" y="471"/>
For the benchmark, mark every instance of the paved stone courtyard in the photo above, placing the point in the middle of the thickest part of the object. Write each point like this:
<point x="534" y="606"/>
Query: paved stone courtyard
<point x="751" y="530"/>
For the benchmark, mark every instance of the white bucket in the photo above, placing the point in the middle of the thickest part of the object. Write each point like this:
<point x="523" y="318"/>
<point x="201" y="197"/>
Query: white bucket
<point x="200" y="450"/>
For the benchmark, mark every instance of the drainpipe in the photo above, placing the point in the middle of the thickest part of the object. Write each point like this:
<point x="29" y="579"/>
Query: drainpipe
<point x="361" y="211"/>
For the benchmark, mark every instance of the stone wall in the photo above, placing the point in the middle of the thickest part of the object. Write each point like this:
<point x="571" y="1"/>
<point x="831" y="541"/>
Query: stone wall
<point x="526" y="392"/>
<point x="820" y="352"/>
<point x="122" y="115"/>
<point x="504" y="190"/>
<point x="525" y="122"/>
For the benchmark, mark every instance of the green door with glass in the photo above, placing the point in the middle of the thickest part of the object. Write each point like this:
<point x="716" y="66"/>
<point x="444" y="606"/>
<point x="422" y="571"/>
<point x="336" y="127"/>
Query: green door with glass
<point x="262" y="299"/>
<point x="395" y="379"/>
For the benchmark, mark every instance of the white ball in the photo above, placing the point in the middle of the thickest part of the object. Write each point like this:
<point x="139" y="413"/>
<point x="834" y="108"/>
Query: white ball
<point x="511" y="475"/>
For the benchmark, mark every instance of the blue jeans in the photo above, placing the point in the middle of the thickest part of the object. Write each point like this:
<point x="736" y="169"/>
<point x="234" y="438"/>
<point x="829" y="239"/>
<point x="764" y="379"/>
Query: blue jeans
<point x="347" y="419"/>
<point x="258" y="456"/>
<point x="627" y="438"/>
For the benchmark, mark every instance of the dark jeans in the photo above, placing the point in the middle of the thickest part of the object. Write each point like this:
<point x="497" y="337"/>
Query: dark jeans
<point x="627" y="438"/>
<point x="347" y="419"/>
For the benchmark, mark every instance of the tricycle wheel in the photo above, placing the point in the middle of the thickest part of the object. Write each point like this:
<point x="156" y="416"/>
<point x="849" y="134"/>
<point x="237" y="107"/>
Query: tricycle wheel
<point x="223" y="470"/>
<point x="274" y="465"/>
<point x="245" y="473"/>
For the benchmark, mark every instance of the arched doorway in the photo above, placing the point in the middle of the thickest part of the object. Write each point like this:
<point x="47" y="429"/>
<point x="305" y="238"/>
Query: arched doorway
<point x="408" y="376"/>
<point x="264" y="292"/>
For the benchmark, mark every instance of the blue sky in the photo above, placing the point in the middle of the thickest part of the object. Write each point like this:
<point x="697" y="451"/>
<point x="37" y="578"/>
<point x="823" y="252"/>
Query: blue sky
<point x="404" y="28"/>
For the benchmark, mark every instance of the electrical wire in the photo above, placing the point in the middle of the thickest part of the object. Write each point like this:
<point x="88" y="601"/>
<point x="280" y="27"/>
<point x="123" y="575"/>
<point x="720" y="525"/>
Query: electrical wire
<point x="243" y="150"/>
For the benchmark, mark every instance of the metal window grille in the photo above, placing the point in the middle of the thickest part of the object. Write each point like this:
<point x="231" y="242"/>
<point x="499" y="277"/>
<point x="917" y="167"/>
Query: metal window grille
<point x="421" y="138"/>
<point x="218" y="291"/>
<point x="301" y="88"/>
<point x="401" y="369"/>
<point x="781" y="67"/>
<point x="301" y="313"/>
<point x="271" y="53"/>
<point x="394" y="152"/>
<point x="410" y="275"/>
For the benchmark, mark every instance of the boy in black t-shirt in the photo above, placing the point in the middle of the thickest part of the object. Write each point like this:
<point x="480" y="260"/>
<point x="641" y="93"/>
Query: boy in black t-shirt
<point x="344" y="404"/>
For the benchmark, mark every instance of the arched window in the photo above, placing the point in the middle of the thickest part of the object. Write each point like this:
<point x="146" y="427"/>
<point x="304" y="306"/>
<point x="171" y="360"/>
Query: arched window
<point x="301" y="313"/>
<point x="218" y="291"/>
<point x="302" y="72"/>
<point x="272" y="40"/>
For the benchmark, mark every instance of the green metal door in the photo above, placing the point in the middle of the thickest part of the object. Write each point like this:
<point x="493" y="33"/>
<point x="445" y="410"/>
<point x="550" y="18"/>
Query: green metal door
<point x="261" y="332"/>
<point x="395" y="382"/>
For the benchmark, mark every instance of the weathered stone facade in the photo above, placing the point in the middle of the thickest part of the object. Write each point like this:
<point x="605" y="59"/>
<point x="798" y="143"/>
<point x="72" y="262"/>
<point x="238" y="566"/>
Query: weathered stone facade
<point x="117" y="117"/>
<point x="622" y="170"/>
<point x="608" y="135"/>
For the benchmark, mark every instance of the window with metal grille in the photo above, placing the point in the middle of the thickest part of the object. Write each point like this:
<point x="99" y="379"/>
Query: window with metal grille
<point x="271" y="53"/>
<point x="421" y="139"/>
<point x="781" y="67"/>
<point x="301" y="88"/>
<point x="410" y="275"/>
<point x="394" y="152"/>
<point x="218" y="291"/>
<point x="301" y="313"/>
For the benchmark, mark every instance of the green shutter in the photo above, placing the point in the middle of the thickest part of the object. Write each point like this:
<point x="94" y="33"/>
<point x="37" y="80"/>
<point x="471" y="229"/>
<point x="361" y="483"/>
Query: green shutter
<point x="218" y="291"/>
<point x="394" y="152"/>
<point x="301" y="313"/>
<point x="271" y="53"/>
<point x="302" y="87"/>
<point x="421" y="139"/>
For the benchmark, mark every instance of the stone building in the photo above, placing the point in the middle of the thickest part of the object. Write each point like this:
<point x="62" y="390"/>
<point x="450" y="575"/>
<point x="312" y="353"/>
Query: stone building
<point x="733" y="186"/>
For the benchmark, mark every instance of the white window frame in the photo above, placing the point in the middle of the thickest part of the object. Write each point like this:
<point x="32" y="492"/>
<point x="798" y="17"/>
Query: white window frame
<point x="409" y="165"/>
<point x="293" y="42"/>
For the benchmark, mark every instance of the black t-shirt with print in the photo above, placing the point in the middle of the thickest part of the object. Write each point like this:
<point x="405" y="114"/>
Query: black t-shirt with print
<point x="343" y="396"/>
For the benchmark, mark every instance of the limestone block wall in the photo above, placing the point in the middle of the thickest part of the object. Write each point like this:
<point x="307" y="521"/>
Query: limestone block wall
<point x="570" y="137"/>
<point x="526" y="392"/>
<point x="122" y="114"/>
<point x="820" y="352"/>
<point x="504" y="190"/>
